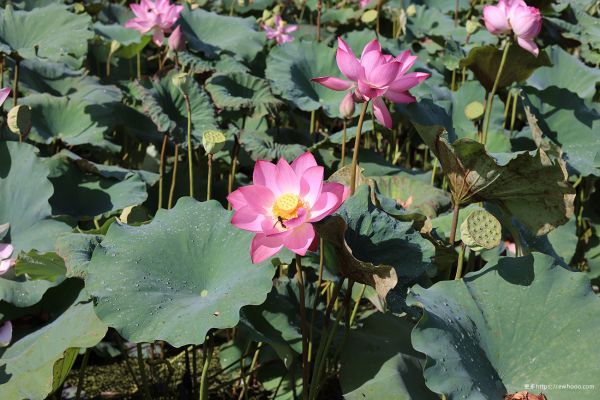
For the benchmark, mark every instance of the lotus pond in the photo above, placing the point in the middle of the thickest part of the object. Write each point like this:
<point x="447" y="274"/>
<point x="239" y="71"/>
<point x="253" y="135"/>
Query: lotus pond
<point x="303" y="199"/>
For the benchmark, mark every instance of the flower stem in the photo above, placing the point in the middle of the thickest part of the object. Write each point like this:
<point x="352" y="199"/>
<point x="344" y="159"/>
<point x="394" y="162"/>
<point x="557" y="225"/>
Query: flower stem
<point x="454" y="222"/>
<point x="188" y="109"/>
<point x="488" y="104"/>
<point x="138" y="65"/>
<point x="209" y="184"/>
<point x="207" y="352"/>
<point x="361" y="119"/>
<point x="174" y="176"/>
<point x="343" y="144"/>
<point x="319" y="8"/>
<point x="316" y="300"/>
<point x="161" y="171"/>
<point x="141" y="366"/>
<point x="16" y="82"/>
<point x="84" y="362"/>
<point x="461" y="260"/>
<point x="300" y="277"/>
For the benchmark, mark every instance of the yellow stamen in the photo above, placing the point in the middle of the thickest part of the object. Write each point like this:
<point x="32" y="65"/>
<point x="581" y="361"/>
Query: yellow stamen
<point x="286" y="206"/>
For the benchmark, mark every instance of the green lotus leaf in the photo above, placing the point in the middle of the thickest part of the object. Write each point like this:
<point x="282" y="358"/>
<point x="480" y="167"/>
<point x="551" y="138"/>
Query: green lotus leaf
<point x="165" y="105"/>
<point x="214" y="34"/>
<point x="566" y="72"/>
<point x="274" y="144"/>
<point x="130" y="41"/>
<point x="405" y="187"/>
<point x="151" y="289"/>
<point x="36" y="265"/>
<point x="194" y="64"/>
<point x="76" y="250"/>
<point x="387" y="366"/>
<point x="73" y="121"/>
<point x="484" y="61"/>
<point x="50" y="32"/>
<point x="25" y="191"/>
<point x="529" y="185"/>
<point x="241" y="91"/>
<point x="28" y="366"/>
<point x="499" y="329"/>
<point x="81" y="191"/>
<point x="429" y="22"/>
<point x="568" y="121"/>
<point x="290" y="69"/>
<point x="39" y="76"/>
<point x="339" y="16"/>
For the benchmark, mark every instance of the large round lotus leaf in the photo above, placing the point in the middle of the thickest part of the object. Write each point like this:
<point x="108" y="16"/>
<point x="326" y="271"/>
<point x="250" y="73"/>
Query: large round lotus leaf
<point x="27" y="366"/>
<point x="566" y="72"/>
<point x="519" y="322"/>
<point x="387" y="366"/>
<point x="50" y="32"/>
<point x="130" y="41"/>
<point x="174" y="279"/>
<point x="292" y="66"/>
<point x="242" y="91"/>
<point x="165" y="105"/>
<point x="570" y="122"/>
<point x="213" y="34"/>
<point x="25" y="190"/>
<point x="23" y="292"/>
<point x="485" y="60"/>
<point x="73" y="121"/>
<point x="274" y="144"/>
<point x="39" y="76"/>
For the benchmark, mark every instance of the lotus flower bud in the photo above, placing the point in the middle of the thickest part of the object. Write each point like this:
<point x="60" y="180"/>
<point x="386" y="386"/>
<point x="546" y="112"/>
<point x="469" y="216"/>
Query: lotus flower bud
<point x="183" y="82"/>
<point x="114" y="46"/>
<point x="176" y="40"/>
<point x="19" y="120"/>
<point x="347" y="106"/>
<point x="213" y="141"/>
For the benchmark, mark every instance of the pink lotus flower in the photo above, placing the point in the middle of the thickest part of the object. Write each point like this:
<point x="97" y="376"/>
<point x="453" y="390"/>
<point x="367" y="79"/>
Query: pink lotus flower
<point x="176" y="40"/>
<point x="364" y="3"/>
<point x="281" y="204"/>
<point x="5" y="334"/>
<point x="157" y="17"/>
<point x="375" y="75"/>
<point x="516" y="16"/>
<point x="4" y="92"/>
<point x="6" y="262"/>
<point x="281" y="31"/>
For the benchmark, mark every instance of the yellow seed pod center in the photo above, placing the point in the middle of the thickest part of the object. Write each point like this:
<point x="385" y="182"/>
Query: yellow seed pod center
<point x="287" y="205"/>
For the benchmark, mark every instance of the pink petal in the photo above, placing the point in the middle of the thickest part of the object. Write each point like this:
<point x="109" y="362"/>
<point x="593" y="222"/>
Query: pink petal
<point x="299" y="239"/>
<point x="408" y="81"/>
<point x="333" y="83"/>
<point x="526" y="22"/>
<point x="158" y="37"/>
<point x="369" y="92"/>
<point x="529" y="45"/>
<point x="371" y="60"/>
<point x="6" y="334"/>
<point x="6" y="250"/>
<point x="5" y="265"/>
<point x="496" y="20"/>
<point x="248" y="219"/>
<point x="406" y="59"/>
<point x="304" y="162"/>
<point x="4" y="94"/>
<point x="348" y="64"/>
<point x="237" y="200"/>
<point x="344" y="46"/>
<point x="331" y="198"/>
<point x="263" y="247"/>
<point x="264" y="173"/>
<point x="311" y="183"/>
<point x="286" y="179"/>
<point x="399" y="97"/>
<point x="384" y="74"/>
<point x="382" y="113"/>
<point x="259" y="197"/>
<point x="373" y="45"/>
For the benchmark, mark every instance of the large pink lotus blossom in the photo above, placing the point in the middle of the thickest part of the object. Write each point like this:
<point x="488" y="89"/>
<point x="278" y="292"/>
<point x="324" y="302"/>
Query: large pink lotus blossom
<point x="6" y="261"/>
<point x="157" y="17"/>
<point x="281" y="31"/>
<point x="281" y="204"/>
<point x="5" y="333"/>
<point x="375" y="75"/>
<point x="516" y="16"/>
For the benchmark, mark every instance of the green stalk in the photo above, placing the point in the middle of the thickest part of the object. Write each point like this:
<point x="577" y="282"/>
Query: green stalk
<point x="208" y="350"/>
<point x="461" y="259"/>
<point x="209" y="184"/>
<point x="138" y="65"/>
<point x="514" y="113"/>
<point x="435" y="165"/>
<point x="252" y="366"/>
<point x="355" y="310"/>
<point x="16" y="83"/>
<point x="316" y="301"/>
<point x="174" y="176"/>
<point x="361" y="119"/>
<point x="343" y="144"/>
<point x="80" y="381"/>
<point x="490" y="101"/>
<point x="305" y="372"/>
<point x="141" y="366"/>
<point x="188" y="109"/>
<point x="454" y="222"/>
<point x="161" y="171"/>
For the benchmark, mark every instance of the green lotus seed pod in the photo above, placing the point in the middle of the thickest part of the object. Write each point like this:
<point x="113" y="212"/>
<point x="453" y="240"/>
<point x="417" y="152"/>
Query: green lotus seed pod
<point x="472" y="26"/>
<point x="213" y="141"/>
<point x="481" y="230"/>
<point x="19" y="120"/>
<point x="183" y="82"/>
<point x="474" y="110"/>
